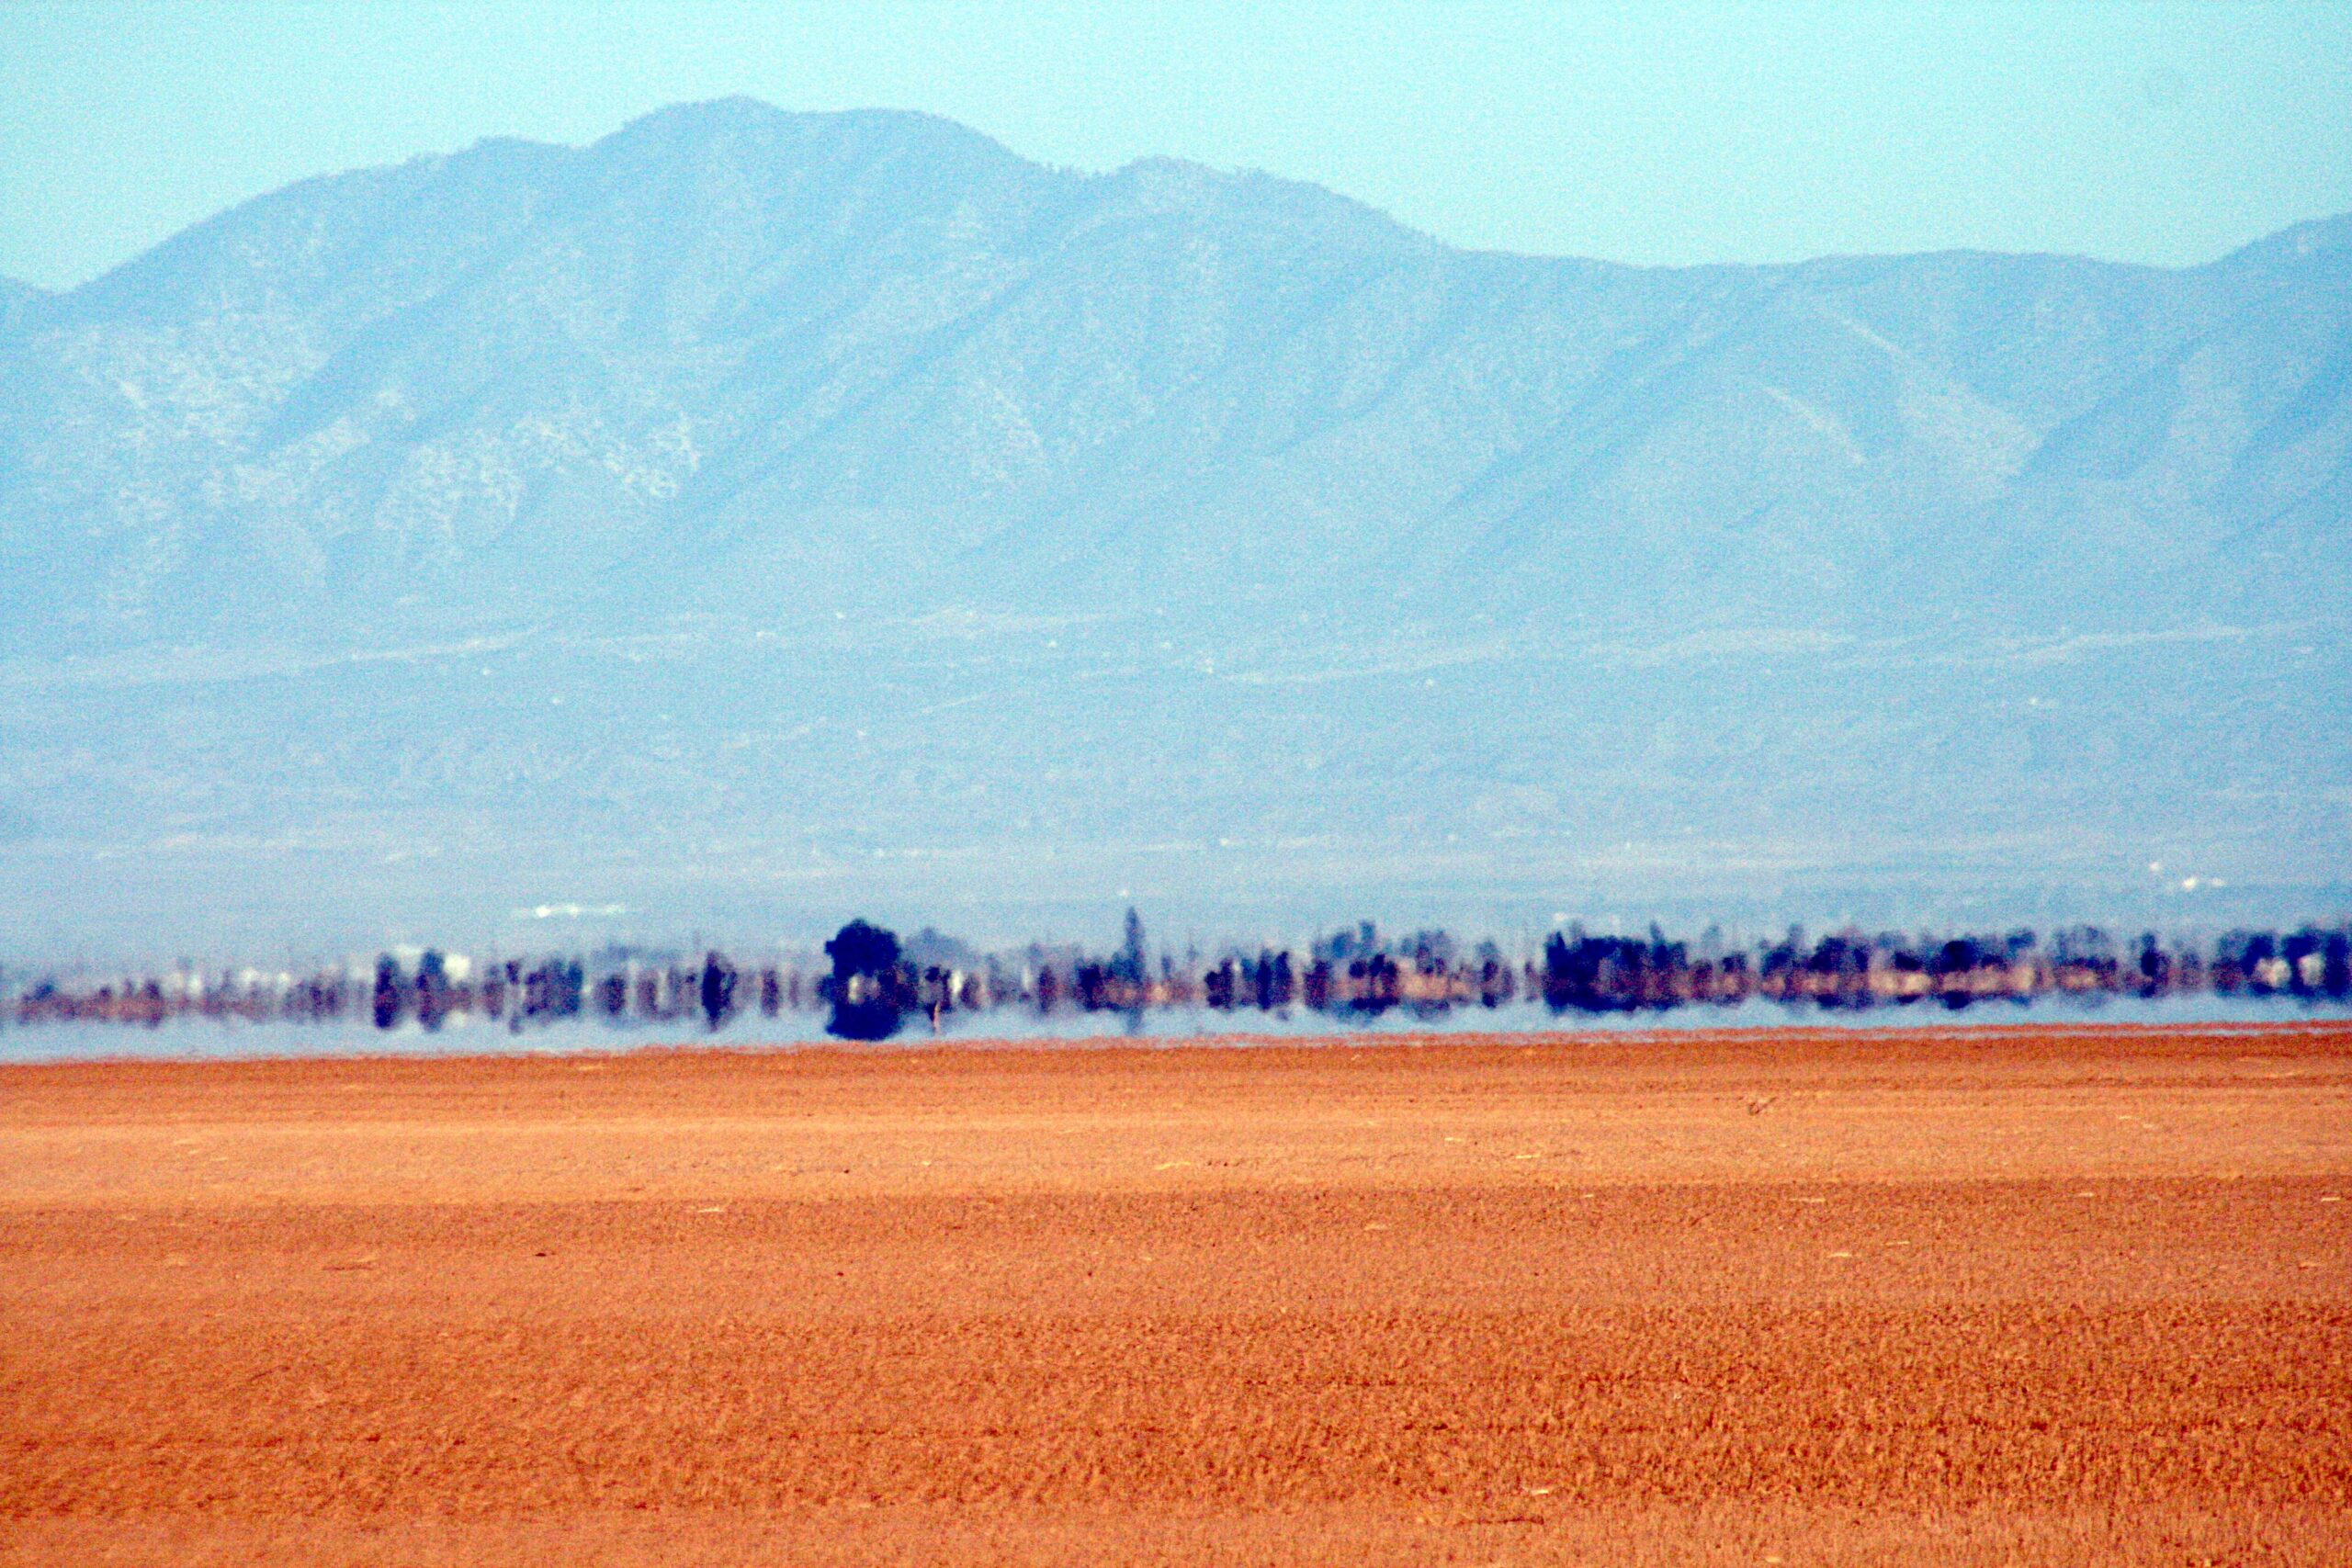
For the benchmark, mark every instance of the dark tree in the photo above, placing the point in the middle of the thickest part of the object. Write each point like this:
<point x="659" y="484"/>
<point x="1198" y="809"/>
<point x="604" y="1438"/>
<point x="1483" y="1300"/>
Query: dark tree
<point x="1129" y="966"/>
<point x="1560" y="974"/>
<point x="391" y="994"/>
<point x="1493" y="976"/>
<point x="432" y="991"/>
<point x="860" y="949"/>
<point x="865" y="989"/>
<point x="1218" y="985"/>
<point x="717" y="988"/>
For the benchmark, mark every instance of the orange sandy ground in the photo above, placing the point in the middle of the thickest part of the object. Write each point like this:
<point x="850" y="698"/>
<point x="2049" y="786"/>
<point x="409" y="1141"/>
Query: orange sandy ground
<point x="2054" y="1295"/>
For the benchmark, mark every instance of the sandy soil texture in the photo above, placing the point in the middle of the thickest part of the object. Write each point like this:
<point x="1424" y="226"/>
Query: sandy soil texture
<point x="2032" y="1296"/>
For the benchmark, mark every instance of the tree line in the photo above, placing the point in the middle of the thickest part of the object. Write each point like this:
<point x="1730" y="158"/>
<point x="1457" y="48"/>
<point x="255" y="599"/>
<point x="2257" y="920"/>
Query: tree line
<point x="870" y="985"/>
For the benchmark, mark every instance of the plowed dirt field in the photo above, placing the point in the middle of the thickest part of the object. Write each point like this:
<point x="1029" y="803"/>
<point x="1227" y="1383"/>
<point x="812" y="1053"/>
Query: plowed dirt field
<point x="2050" y="1295"/>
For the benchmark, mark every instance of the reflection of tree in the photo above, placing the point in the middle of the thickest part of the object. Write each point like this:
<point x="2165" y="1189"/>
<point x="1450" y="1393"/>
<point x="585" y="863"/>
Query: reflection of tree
<point x="873" y="980"/>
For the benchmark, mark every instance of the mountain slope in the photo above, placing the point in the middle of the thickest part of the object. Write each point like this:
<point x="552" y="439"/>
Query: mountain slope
<point x="1293" y="522"/>
<point x="878" y="355"/>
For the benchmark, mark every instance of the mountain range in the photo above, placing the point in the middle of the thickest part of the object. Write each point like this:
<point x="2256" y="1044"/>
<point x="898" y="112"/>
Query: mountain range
<point x="755" y="512"/>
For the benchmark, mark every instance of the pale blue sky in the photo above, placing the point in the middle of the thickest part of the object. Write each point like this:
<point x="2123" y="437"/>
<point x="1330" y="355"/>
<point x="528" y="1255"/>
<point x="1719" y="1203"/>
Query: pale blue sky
<point x="2168" y="133"/>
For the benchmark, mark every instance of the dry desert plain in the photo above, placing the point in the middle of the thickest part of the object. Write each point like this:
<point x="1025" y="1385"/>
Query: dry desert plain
<point x="1993" y="1295"/>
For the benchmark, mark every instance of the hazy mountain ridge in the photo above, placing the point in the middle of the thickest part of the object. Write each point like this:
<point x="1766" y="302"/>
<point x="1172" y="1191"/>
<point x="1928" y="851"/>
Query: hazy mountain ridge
<point x="878" y="355"/>
<point x="757" y="511"/>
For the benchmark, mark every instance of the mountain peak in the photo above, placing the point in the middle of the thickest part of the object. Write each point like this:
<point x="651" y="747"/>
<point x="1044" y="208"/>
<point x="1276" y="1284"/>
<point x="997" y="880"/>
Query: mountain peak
<point x="740" y="120"/>
<point x="2298" y="244"/>
<point x="1171" y="185"/>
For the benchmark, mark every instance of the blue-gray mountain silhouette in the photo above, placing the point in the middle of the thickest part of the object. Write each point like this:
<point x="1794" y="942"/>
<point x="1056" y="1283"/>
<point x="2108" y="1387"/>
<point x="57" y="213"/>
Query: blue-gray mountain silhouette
<point x="1315" y="528"/>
